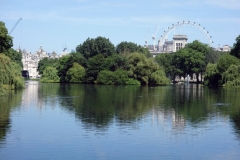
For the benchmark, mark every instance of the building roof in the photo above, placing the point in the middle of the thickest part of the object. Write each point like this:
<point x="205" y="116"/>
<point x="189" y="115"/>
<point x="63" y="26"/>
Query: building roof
<point x="180" y="37"/>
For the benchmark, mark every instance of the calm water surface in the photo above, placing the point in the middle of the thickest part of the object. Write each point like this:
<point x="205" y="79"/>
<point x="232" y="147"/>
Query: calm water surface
<point x="74" y="121"/>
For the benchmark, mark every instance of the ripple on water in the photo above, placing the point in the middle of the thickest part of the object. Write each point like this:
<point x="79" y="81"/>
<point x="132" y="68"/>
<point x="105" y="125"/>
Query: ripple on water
<point x="221" y="104"/>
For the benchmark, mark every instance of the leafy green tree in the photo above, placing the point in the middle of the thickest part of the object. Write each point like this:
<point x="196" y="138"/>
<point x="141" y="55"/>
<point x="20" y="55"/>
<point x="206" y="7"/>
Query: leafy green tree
<point x="10" y="74"/>
<point x="141" y="67"/>
<point x="212" y="77"/>
<point x="125" y="48"/>
<point x="78" y="58"/>
<point x="198" y="46"/>
<point x="50" y="75"/>
<point x="94" y="66"/>
<point x="62" y="67"/>
<point x="105" y="77"/>
<point x="212" y="56"/>
<point x="64" y="63"/>
<point x="121" y="76"/>
<point x="231" y="77"/>
<point x="15" y="56"/>
<point x="166" y="61"/>
<point x="115" y="62"/>
<point x="76" y="73"/>
<point x="92" y="47"/>
<point x="45" y="62"/>
<point x="225" y="61"/>
<point x="235" y="51"/>
<point x="108" y="77"/>
<point x="159" y="77"/>
<point x="189" y="62"/>
<point x="5" y="39"/>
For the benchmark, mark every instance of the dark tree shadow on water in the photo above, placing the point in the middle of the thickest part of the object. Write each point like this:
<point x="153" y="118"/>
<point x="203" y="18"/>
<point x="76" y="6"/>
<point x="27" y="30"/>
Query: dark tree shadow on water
<point x="7" y="103"/>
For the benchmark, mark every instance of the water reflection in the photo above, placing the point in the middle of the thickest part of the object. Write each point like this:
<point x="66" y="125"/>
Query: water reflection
<point x="7" y="103"/>
<point x="97" y="107"/>
<point x="57" y="120"/>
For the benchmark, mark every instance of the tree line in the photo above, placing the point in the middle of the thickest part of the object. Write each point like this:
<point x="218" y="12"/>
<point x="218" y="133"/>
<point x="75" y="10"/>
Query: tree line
<point x="215" y="67"/>
<point x="98" y="61"/>
<point x="10" y="63"/>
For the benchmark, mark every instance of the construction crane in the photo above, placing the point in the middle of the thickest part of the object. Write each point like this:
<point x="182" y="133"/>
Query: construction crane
<point x="146" y="39"/>
<point x="15" y="26"/>
<point x="154" y="37"/>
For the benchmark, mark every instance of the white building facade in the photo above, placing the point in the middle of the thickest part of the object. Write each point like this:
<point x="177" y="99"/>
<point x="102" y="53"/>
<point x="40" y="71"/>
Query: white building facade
<point x="30" y="61"/>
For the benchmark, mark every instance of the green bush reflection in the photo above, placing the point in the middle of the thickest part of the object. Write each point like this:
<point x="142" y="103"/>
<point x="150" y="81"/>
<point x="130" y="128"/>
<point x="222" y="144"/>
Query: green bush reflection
<point x="7" y="103"/>
<point x="98" y="105"/>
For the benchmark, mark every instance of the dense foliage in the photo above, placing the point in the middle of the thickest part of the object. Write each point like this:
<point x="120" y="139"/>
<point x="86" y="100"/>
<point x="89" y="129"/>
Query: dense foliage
<point x="10" y="63"/>
<point x="231" y="77"/>
<point x="76" y="73"/>
<point x="236" y="48"/>
<point x="191" y="60"/>
<point x="97" y="61"/>
<point x="212" y="76"/>
<point x="92" y="47"/>
<point x="5" y="39"/>
<point x="10" y="74"/>
<point x="126" y="48"/>
<point x="50" y="75"/>
<point x="43" y="63"/>
<point x="226" y="69"/>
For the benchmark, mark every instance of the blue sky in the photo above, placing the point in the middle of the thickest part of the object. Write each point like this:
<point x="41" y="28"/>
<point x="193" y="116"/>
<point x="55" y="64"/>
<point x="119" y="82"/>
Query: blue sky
<point x="56" y="23"/>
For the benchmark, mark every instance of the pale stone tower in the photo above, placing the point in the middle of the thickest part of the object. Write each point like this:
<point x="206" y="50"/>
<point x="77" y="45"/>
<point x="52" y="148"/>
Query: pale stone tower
<point x="179" y="41"/>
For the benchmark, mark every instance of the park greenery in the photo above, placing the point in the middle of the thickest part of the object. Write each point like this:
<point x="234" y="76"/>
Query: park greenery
<point x="10" y="63"/>
<point x="98" y="61"/>
<point x="215" y="67"/>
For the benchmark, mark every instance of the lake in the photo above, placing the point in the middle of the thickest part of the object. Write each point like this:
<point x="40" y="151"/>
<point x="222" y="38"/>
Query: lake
<point x="78" y="121"/>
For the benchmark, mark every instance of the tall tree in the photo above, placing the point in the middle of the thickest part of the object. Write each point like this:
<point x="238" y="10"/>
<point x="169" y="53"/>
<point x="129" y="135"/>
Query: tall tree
<point x="235" y="51"/>
<point x="14" y="55"/>
<point x="92" y="47"/>
<point x="166" y="61"/>
<point x="95" y="64"/>
<point x="50" y="75"/>
<point x="124" y="48"/>
<point x="141" y="67"/>
<point x="189" y="61"/>
<point x="76" y="73"/>
<point x="5" y="39"/>
<point x="10" y="74"/>
<point x="212" y="77"/>
<point x="212" y="56"/>
<point x="45" y="62"/>
<point x="198" y="46"/>
<point x="225" y="61"/>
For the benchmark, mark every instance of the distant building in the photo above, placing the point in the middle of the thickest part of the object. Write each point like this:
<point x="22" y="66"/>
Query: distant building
<point x="53" y="55"/>
<point x="30" y="62"/>
<point x="178" y="42"/>
<point x="225" y="48"/>
<point x="64" y="52"/>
